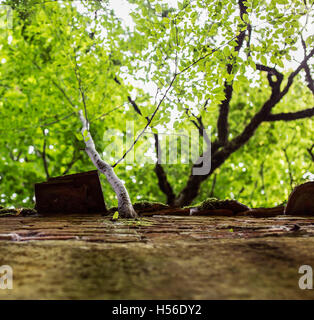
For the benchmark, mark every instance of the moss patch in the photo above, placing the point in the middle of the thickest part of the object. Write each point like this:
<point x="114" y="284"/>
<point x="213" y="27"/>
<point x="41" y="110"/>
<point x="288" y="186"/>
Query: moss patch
<point x="4" y="212"/>
<point x="228" y="204"/>
<point x="142" y="206"/>
<point x="211" y="204"/>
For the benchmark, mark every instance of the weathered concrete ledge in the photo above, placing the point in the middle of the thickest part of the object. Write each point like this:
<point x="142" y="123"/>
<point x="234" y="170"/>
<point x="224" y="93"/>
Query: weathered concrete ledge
<point x="161" y="257"/>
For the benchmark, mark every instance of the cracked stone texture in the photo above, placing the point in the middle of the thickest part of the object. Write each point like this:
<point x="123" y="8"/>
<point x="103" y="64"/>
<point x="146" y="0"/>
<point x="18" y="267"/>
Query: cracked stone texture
<point x="160" y="257"/>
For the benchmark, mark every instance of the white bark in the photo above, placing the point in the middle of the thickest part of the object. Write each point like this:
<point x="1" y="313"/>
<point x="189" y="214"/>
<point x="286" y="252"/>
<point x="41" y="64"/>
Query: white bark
<point x="125" y="207"/>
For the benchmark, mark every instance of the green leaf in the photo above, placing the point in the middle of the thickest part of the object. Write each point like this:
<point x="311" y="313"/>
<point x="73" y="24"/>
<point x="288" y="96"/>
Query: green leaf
<point x="115" y="216"/>
<point x="241" y="78"/>
<point x="263" y="60"/>
<point x="194" y="16"/>
<point x="226" y="51"/>
<point x="245" y="18"/>
<point x="252" y="64"/>
<point x="216" y="90"/>
<point x="158" y="8"/>
<point x="280" y="63"/>
<point x="79" y="136"/>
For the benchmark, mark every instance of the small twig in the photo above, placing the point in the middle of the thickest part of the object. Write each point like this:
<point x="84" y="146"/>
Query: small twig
<point x="58" y="87"/>
<point x="75" y="157"/>
<point x="289" y="168"/>
<point x="240" y="192"/>
<point x="308" y="76"/>
<point x="79" y="80"/>
<point x="205" y="56"/>
<point x="211" y="194"/>
<point x="148" y="122"/>
<point x="263" y="180"/>
<point x="106" y="113"/>
<point x="43" y="155"/>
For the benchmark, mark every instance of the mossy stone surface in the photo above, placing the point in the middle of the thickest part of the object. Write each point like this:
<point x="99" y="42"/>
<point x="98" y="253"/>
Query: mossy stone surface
<point x="221" y="269"/>
<point x="163" y="257"/>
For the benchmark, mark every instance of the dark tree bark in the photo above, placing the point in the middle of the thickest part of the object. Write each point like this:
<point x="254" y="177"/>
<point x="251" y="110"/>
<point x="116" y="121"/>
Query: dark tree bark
<point x="163" y="182"/>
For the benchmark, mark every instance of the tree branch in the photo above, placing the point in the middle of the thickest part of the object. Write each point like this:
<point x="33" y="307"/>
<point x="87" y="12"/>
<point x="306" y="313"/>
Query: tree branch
<point x="261" y="172"/>
<point x="79" y="81"/>
<point x="222" y="122"/>
<point x="211" y="194"/>
<point x="289" y="116"/>
<point x="58" y="87"/>
<point x="308" y="76"/>
<point x="289" y="167"/>
<point x="133" y="103"/>
<point x="205" y="56"/>
<point x="275" y="85"/>
<point x="74" y="159"/>
<point x="311" y="152"/>
<point x="163" y="182"/>
<point x="106" y="113"/>
<point x="302" y="65"/>
<point x="199" y="124"/>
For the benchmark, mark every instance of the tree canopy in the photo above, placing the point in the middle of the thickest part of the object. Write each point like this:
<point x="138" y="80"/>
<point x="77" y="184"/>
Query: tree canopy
<point x="232" y="68"/>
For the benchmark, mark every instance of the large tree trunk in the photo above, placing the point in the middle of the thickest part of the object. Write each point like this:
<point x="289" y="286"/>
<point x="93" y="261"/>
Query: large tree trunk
<point x="191" y="189"/>
<point x="125" y="207"/>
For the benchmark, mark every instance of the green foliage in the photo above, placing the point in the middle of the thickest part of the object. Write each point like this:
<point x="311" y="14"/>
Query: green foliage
<point x="55" y="52"/>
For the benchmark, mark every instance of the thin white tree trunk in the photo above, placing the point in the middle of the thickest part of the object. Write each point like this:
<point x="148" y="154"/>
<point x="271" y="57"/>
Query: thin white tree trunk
<point x="125" y="207"/>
